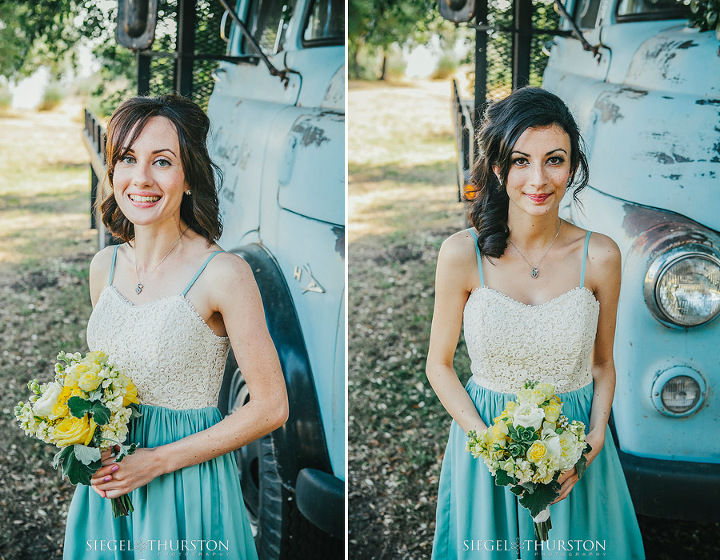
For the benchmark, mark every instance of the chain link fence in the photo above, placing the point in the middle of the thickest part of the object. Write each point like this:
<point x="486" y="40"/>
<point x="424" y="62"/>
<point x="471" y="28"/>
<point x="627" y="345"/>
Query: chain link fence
<point x="207" y="44"/>
<point x="500" y="44"/>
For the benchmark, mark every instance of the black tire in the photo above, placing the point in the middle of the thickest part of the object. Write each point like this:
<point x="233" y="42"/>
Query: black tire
<point x="281" y="531"/>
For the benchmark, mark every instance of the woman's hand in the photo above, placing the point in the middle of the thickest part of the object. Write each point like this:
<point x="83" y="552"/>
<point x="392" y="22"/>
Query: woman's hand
<point x="568" y="479"/>
<point x="115" y="479"/>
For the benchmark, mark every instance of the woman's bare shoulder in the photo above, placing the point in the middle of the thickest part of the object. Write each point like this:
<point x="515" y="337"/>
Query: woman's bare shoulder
<point x="603" y="261"/>
<point x="101" y="263"/>
<point x="458" y="249"/>
<point x="603" y="249"/>
<point x="229" y="271"/>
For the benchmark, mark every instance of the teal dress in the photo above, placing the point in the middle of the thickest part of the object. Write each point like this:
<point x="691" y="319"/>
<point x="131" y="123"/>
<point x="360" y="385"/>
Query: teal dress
<point x="508" y="343"/>
<point x="177" y="363"/>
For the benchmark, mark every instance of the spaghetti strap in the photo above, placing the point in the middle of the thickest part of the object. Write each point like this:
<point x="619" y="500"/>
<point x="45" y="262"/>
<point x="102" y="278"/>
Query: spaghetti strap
<point x="199" y="272"/>
<point x="112" y="265"/>
<point x="584" y="259"/>
<point x="479" y="256"/>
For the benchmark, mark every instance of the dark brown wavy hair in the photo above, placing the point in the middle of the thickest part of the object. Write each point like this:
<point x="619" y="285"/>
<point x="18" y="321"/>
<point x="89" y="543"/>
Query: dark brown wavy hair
<point x="503" y="124"/>
<point x="200" y="209"/>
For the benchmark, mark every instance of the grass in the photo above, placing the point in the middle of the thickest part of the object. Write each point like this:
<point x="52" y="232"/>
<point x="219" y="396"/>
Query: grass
<point x="402" y="204"/>
<point x="45" y="250"/>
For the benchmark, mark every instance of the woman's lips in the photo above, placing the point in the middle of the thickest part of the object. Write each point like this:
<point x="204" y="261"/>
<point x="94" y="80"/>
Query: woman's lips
<point x="143" y="200"/>
<point x="538" y="198"/>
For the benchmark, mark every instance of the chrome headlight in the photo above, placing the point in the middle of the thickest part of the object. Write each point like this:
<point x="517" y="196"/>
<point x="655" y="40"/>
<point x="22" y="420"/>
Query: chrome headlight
<point x="682" y="286"/>
<point x="678" y="391"/>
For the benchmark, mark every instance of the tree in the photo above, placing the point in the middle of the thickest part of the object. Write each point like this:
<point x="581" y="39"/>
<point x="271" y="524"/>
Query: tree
<point x="380" y="23"/>
<point x="43" y="33"/>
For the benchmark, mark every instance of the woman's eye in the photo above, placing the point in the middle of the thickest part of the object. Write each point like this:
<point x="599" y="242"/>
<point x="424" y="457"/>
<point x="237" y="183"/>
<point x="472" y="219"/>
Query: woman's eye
<point x="128" y="159"/>
<point x="163" y="163"/>
<point x="556" y="160"/>
<point x="519" y="161"/>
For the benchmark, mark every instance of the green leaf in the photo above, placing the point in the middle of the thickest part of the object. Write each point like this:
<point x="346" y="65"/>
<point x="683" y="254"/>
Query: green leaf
<point x="125" y="450"/>
<point x="503" y="479"/>
<point x="79" y="407"/>
<point x="517" y="490"/>
<point x="581" y="465"/>
<point x="85" y="454"/>
<point x="74" y="469"/>
<point x="540" y="498"/>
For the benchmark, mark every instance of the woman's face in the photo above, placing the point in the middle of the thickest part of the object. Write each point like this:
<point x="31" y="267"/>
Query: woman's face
<point x="149" y="181"/>
<point x="539" y="170"/>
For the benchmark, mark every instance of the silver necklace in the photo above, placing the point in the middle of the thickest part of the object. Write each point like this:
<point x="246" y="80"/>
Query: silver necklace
<point x="140" y="286"/>
<point x="534" y="273"/>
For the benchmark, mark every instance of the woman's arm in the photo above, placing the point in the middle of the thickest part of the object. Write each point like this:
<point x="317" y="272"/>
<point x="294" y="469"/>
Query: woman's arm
<point x="603" y="273"/>
<point x="453" y="283"/>
<point x="100" y="272"/>
<point x="605" y="267"/>
<point x="238" y="300"/>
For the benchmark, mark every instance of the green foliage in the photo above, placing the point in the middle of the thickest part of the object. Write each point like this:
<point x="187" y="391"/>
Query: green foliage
<point x="35" y="34"/>
<point x="704" y="14"/>
<point x="80" y="407"/>
<point x="5" y="97"/>
<point x="581" y="465"/>
<point x="381" y="23"/>
<point x="537" y="496"/>
<point x="52" y="97"/>
<point x="446" y="67"/>
<point x="72" y="467"/>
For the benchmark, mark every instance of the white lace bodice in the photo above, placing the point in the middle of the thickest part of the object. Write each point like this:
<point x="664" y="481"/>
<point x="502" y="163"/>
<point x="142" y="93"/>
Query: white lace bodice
<point x="173" y="357"/>
<point x="510" y="342"/>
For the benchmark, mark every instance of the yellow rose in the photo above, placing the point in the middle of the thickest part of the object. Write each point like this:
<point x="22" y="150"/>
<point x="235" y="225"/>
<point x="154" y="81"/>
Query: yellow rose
<point x="131" y="395"/>
<point x="553" y="410"/>
<point x="89" y="380"/>
<point x="60" y="409"/>
<point x="537" y="451"/>
<point x="73" y="430"/>
<point x="547" y="389"/>
<point x="507" y="413"/>
<point x="97" y="357"/>
<point x="497" y="433"/>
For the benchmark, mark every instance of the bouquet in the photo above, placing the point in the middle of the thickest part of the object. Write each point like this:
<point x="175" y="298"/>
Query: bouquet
<point x="529" y="446"/>
<point x="84" y="412"/>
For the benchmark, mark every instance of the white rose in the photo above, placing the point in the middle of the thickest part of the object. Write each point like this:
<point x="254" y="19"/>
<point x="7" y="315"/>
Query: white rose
<point x="529" y="415"/>
<point x="552" y="442"/>
<point x="44" y="405"/>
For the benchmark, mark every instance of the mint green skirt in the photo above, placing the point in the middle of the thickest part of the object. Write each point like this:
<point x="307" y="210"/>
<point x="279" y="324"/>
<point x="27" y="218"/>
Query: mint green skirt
<point x="194" y="512"/>
<point x="477" y="520"/>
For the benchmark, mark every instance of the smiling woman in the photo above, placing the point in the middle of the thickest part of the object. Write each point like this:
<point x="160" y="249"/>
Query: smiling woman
<point x="168" y="305"/>
<point x="537" y="299"/>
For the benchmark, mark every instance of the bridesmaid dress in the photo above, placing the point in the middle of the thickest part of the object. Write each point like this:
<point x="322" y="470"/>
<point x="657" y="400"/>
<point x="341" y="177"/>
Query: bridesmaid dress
<point x="177" y="364"/>
<point x="508" y="343"/>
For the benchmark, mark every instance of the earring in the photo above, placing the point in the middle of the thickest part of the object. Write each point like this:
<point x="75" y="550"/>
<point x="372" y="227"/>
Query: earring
<point x="187" y="192"/>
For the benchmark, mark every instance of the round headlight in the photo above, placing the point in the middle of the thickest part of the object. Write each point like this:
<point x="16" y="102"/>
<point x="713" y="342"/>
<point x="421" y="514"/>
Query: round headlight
<point x="678" y="391"/>
<point x="685" y="286"/>
<point x="680" y="394"/>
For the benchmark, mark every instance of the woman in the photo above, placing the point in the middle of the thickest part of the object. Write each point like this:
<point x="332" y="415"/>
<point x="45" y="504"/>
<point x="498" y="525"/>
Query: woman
<point x="167" y="305"/>
<point x="538" y="298"/>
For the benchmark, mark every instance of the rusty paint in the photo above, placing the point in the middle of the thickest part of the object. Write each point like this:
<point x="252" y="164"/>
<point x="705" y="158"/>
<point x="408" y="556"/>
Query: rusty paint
<point x="662" y="157"/>
<point x="310" y="134"/>
<point x="634" y="92"/>
<point x="608" y="111"/>
<point x="672" y="177"/>
<point x="681" y="159"/>
<point x="687" y="45"/>
<point x="339" y="233"/>
<point x="708" y="102"/>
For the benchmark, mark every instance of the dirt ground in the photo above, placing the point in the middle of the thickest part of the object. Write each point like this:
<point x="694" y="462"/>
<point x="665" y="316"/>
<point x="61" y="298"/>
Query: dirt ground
<point x="402" y="204"/>
<point x="45" y="250"/>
